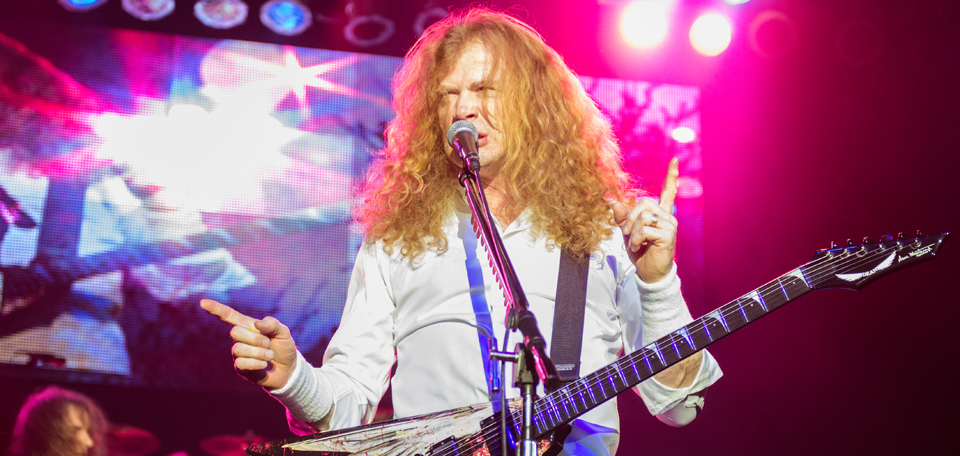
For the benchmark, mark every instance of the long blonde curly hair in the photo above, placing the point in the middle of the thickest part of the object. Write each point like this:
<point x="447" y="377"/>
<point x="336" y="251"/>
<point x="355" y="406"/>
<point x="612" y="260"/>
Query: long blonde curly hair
<point x="561" y="160"/>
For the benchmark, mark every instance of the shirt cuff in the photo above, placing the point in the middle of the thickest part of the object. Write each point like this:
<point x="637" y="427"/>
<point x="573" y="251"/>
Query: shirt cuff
<point x="308" y="395"/>
<point x="659" y="398"/>
<point x="664" y="310"/>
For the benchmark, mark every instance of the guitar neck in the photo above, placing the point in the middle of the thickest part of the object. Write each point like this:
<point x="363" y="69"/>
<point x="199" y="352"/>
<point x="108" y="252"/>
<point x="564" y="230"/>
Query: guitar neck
<point x="576" y="398"/>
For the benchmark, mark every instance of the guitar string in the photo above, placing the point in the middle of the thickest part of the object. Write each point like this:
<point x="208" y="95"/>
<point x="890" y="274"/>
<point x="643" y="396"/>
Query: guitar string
<point x="853" y="260"/>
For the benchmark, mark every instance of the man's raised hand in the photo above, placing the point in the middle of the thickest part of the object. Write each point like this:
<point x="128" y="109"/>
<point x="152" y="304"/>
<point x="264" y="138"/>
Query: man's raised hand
<point x="263" y="351"/>
<point x="650" y="229"/>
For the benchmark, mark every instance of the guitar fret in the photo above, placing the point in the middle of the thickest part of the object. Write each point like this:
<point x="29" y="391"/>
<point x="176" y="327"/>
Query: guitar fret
<point x="706" y="328"/>
<point x="555" y="411"/>
<point x="590" y="390"/>
<point x="673" y="342"/>
<point x="759" y="299"/>
<point x="647" y="360"/>
<point x="583" y="399"/>
<point x="613" y="381"/>
<point x="634" y="366"/>
<point x="717" y="315"/>
<point x="742" y="312"/>
<point x="687" y="337"/>
<point x="563" y="403"/>
<point x="656" y="348"/>
<point x="622" y="377"/>
<point x="573" y="404"/>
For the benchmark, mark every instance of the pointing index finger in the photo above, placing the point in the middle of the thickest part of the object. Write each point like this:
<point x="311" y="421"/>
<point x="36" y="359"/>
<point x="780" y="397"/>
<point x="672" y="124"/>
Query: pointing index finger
<point x="669" y="192"/>
<point x="227" y="314"/>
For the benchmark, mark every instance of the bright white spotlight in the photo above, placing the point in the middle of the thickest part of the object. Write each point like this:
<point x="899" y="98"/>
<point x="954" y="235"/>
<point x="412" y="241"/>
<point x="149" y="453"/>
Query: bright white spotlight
<point x="683" y="135"/>
<point x="644" y="23"/>
<point x="81" y="5"/>
<point x="736" y="2"/>
<point x="710" y="34"/>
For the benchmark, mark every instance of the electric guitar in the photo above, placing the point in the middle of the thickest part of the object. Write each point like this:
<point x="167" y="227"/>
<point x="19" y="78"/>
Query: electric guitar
<point x="477" y="429"/>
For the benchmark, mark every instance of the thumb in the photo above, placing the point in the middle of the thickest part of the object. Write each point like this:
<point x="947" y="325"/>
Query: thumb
<point x="272" y="328"/>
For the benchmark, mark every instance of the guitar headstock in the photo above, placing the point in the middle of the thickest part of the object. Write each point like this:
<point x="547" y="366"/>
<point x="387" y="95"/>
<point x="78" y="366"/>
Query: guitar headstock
<point x="856" y="266"/>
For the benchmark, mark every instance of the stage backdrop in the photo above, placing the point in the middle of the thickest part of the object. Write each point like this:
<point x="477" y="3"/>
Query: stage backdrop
<point x="141" y="172"/>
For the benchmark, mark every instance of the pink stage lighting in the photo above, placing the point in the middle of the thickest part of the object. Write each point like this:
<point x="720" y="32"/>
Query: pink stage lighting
<point x="710" y="34"/>
<point x="644" y="23"/>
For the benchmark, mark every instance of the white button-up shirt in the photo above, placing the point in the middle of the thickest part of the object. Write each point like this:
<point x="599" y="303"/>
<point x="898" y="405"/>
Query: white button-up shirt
<point x="425" y="317"/>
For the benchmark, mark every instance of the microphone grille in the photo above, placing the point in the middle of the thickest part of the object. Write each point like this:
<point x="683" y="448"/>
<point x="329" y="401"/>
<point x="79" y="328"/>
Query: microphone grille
<point x="457" y="127"/>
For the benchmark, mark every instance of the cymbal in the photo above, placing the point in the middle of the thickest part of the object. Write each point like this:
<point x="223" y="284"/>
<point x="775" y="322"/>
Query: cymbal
<point x="230" y="445"/>
<point x="126" y="440"/>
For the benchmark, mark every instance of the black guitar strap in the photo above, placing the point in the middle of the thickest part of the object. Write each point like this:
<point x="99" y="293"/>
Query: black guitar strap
<point x="567" y="339"/>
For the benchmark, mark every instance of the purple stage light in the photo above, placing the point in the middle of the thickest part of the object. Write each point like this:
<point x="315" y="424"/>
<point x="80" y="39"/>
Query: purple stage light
<point x="221" y="14"/>
<point x="148" y="10"/>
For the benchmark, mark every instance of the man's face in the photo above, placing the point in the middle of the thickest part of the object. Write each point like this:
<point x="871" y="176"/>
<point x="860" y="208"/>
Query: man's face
<point x="78" y="429"/>
<point x="464" y="90"/>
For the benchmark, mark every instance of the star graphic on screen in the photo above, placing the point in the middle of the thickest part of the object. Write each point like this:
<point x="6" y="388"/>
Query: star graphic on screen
<point x="290" y="76"/>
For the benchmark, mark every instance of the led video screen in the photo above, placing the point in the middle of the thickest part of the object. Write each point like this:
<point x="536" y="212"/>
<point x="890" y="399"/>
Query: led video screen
<point x="141" y="172"/>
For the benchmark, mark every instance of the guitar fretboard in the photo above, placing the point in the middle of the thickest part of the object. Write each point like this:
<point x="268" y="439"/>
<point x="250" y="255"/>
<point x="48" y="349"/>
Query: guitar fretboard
<point x="578" y="397"/>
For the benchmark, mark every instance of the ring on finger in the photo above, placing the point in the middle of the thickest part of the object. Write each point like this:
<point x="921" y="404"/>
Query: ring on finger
<point x="656" y="219"/>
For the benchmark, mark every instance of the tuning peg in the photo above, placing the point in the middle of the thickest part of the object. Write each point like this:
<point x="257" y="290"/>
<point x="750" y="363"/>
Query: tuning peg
<point x="919" y="233"/>
<point x="849" y="242"/>
<point x="833" y="245"/>
<point x="886" y="238"/>
<point x="867" y="240"/>
<point x="900" y="235"/>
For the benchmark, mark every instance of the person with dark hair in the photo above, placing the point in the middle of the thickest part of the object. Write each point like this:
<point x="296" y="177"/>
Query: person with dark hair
<point x="422" y="308"/>
<point x="59" y="422"/>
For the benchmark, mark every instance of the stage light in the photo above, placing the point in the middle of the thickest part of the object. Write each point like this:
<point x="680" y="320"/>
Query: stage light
<point x="772" y="34"/>
<point x="221" y="14"/>
<point x="81" y="5"/>
<point x="427" y="17"/>
<point x="710" y="34"/>
<point x="366" y="30"/>
<point x="736" y="2"/>
<point x="644" y="23"/>
<point x="286" y="17"/>
<point x="683" y="135"/>
<point x="148" y="10"/>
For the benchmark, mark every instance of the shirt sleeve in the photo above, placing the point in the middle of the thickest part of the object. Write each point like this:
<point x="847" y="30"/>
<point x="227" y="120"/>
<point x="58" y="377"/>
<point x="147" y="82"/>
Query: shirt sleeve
<point x="357" y="363"/>
<point x="662" y="310"/>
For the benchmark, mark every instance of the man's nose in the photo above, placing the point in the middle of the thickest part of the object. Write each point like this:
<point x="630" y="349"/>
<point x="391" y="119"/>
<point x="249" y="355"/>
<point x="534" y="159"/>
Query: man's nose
<point x="468" y="106"/>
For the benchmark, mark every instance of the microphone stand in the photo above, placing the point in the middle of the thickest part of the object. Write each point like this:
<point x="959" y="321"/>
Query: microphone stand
<point x="518" y="313"/>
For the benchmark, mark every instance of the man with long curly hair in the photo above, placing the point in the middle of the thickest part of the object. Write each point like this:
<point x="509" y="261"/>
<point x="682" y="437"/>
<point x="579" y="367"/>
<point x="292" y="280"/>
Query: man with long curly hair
<point x="421" y="301"/>
<point x="59" y="422"/>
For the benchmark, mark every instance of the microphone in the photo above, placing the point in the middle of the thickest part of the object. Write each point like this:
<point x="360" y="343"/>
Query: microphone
<point x="462" y="136"/>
